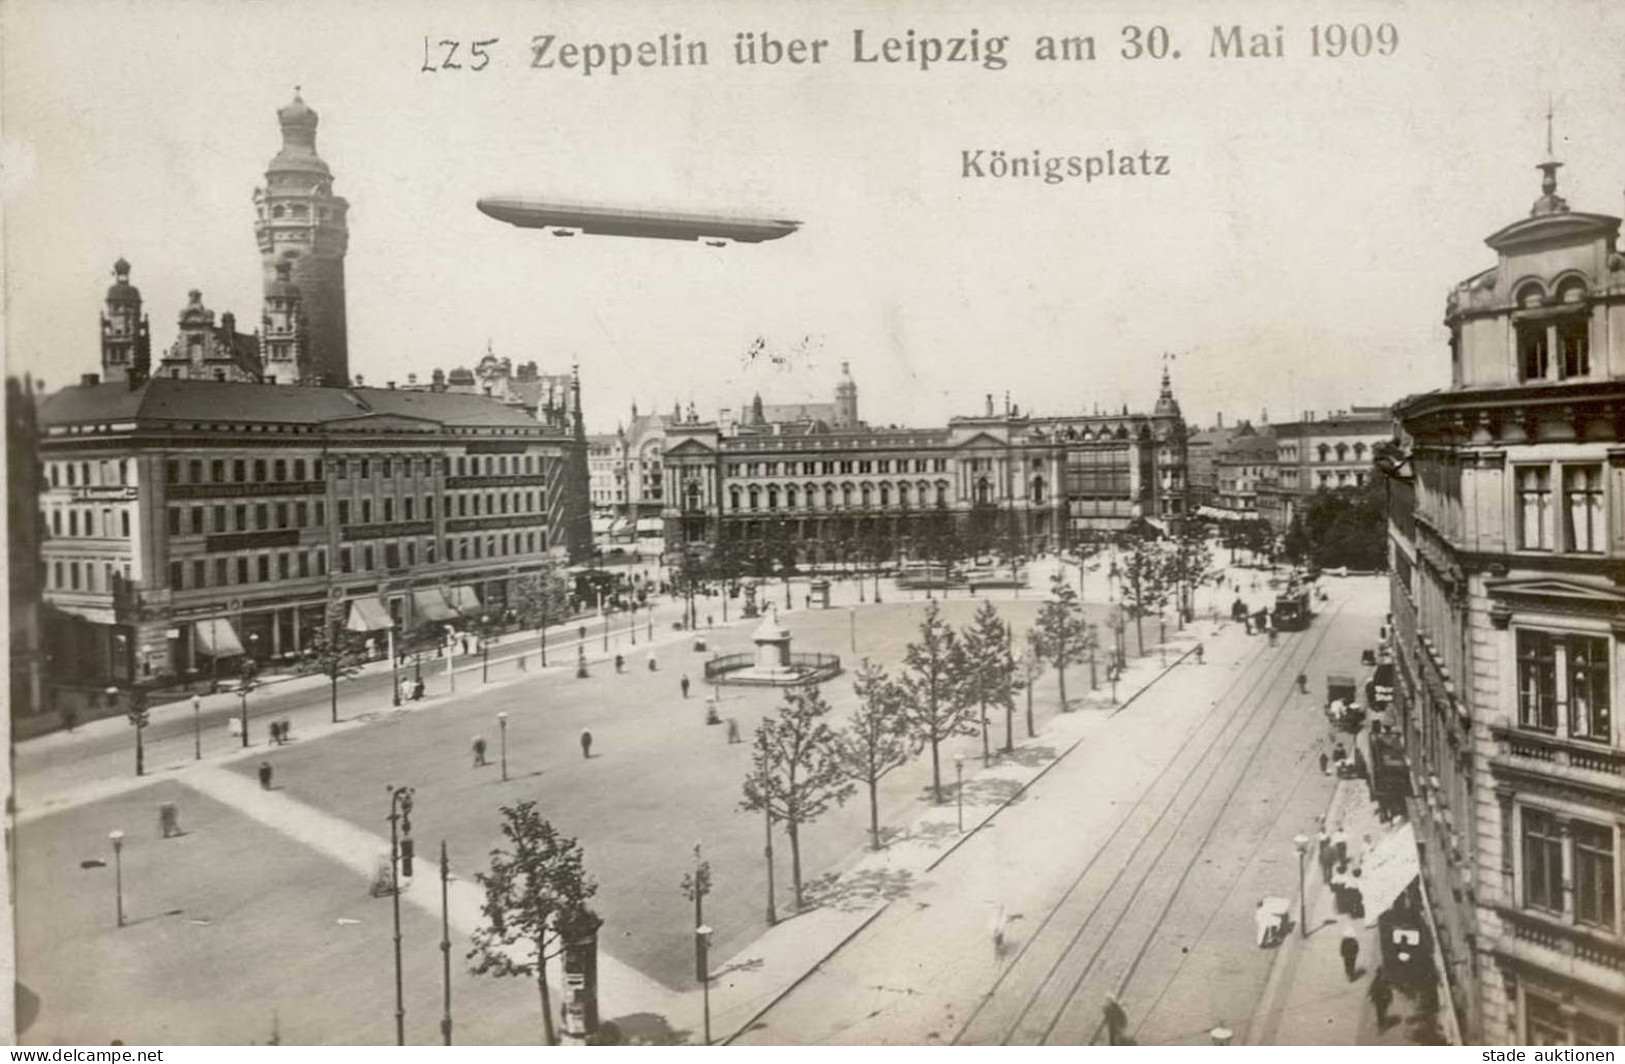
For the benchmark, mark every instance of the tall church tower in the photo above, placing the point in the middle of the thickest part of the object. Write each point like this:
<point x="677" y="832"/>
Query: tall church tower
<point x="846" y="399"/>
<point x="126" y="339"/>
<point x="298" y="220"/>
<point x="282" y="334"/>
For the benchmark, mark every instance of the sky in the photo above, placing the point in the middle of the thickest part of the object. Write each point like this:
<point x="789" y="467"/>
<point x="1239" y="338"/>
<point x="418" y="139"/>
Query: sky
<point x="1296" y="256"/>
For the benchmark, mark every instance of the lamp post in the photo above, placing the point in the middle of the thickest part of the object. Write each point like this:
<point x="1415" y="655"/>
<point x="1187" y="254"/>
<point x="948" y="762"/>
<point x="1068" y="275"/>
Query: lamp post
<point x="197" y="728"/>
<point x="394" y="676"/>
<point x="632" y="623"/>
<point x="485" y="649"/>
<point x="852" y="616"/>
<point x="445" y="945"/>
<point x="502" y="727"/>
<point x="959" y="788"/>
<point x="400" y="853"/>
<point x="702" y="949"/>
<point x="1301" y="844"/>
<point x="117" y="838"/>
<point x="243" y="687"/>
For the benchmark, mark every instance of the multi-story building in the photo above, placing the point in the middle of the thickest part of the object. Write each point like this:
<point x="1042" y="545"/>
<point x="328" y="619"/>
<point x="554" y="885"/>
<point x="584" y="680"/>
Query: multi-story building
<point x="23" y="535"/>
<point x="1321" y="454"/>
<point x="1200" y="451"/>
<point x="1012" y="479"/>
<point x="1241" y="466"/>
<point x="188" y="521"/>
<point x="1508" y="575"/>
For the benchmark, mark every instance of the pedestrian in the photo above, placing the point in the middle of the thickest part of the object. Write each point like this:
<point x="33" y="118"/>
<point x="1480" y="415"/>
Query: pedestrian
<point x="1356" y="897"/>
<point x="1381" y="995"/>
<point x="1263" y="924"/>
<point x="1303" y="683"/>
<point x="1340" y="841"/>
<point x="1199" y="653"/>
<point x="733" y="731"/>
<point x="265" y="775"/>
<point x="479" y="751"/>
<point x="996" y="926"/>
<point x="586" y="743"/>
<point x="1116" y="1020"/>
<point x="1326" y="861"/>
<point x="417" y="689"/>
<point x="169" y="821"/>
<point x="1350" y="950"/>
<point x="652" y="665"/>
<point x="683" y="683"/>
<point x="1324" y="761"/>
<point x="620" y="663"/>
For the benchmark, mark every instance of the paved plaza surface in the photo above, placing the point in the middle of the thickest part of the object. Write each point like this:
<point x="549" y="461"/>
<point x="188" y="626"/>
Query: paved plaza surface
<point x="279" y="875"/>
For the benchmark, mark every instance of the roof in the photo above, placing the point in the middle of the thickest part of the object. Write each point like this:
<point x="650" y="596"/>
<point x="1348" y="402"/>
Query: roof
<point x="163" y="399"/>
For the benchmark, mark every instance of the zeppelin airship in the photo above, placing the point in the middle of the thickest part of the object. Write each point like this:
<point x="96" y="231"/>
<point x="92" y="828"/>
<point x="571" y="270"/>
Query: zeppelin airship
<point x="568" y="219"/>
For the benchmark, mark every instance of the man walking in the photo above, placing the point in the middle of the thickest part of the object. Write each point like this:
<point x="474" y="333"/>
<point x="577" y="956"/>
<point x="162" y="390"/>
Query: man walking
<point x="479" y="751"/>
<point x="1350" y="949"/>
<point x="1325" y="842"/>
<point x="683" y="683"/>
<point x="265" y="775"/>
<point x="1381" y="995"/>
<point x="1116" y="1020"/>
<point x="586" y="743"/>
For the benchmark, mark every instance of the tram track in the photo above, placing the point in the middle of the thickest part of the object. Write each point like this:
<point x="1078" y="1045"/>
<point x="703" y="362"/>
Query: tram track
<point x="982" y="1025"/>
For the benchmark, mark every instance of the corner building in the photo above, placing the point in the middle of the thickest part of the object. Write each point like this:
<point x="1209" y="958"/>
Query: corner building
<point x="190" y="521"/>
<point x="1508" y="598"/>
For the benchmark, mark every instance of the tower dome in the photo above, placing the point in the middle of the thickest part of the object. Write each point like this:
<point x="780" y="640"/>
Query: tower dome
<point x="298" y="152"/>
<point x="1167" y="405"/>
<point x="121" y="290"/>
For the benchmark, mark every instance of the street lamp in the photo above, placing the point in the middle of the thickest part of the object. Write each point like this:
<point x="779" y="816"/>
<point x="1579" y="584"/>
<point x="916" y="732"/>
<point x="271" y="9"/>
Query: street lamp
<point x="852" y="615"/>
<point x="485" y="649"/>
<point x="702" y="950"/>
<point x="400" y="853"/>
<point x="1301" y="844"/>
<point x="245" y="685"/>
<point x="502" y="727"/>
<point x="197" y="728"/>
<point x="117" y="838"/>
<point x="959" y="788"/>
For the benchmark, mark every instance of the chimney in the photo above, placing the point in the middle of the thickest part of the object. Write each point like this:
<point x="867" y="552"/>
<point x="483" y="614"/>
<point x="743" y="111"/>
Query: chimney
<point x="437" y="380"/>
<point x="411" y="378"/>
<point x="89" y="379"/>
<point x="358" y="381"/>
<point x="391" y="385"/>
<point x="228" y="323"/>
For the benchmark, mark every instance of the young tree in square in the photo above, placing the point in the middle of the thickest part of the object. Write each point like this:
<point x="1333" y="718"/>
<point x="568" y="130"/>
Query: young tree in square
<point x="876" y="740"/>
<point x="986" y="670"/>
<point x="540" y="598"/>
<point x="1063" y="637"/>
<point x="1190" y="565"/>
<point x="1029" y="668"/>
<point x="934" y="695"/>
<point x="536" y="896"/>
<point x="1145" y="581"/>
<point x="335" y="653"/>
<point x="795" y="772"/>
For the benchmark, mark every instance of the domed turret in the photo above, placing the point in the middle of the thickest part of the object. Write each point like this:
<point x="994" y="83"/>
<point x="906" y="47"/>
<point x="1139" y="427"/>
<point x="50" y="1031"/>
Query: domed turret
<point x="121" y="290"/>
<point x="1167" y="405"/>
<point x="298" y="152"/>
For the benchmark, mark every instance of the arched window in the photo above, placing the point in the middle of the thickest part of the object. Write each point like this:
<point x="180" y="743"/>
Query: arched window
<point x="1038" y="489"/>
<point x="1324" y="452"/>
<point x="733" y="498"/>
<point x="693" y="493"/>
<point x="829" y="496"/>
<point x="1342" y="451"/>
<point x="902" y="495"/>
<point x="790" y="497"/>
<point x="942" y="493"/>
<point x="1359" y="450"/>
<point x="984" y="492"/>
<point x="846" y="495"/>
<point x="885" y="495"/>
<point x="755" y="497"/>
<point x="865" y="493"/>
<point x="772" y="496"/>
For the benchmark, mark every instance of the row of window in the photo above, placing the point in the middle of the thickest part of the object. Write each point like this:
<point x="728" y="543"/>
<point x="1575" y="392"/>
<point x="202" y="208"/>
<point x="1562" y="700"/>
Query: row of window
<point x="86" y="576"/>
<point x="1589" y="849"/>
<point x="1548" y="1021"/>
<point x="1563" y="681"/>
<point x="82" y="521"/>
<point x="833" y="497"/>
<point x="844" y="466"/>
<point x="246" y="517"/>
<point x="279" y="470"/>
<point x="1580" y="513"/>
<point x="78" y="474"/>
<point x="266" y="566"/>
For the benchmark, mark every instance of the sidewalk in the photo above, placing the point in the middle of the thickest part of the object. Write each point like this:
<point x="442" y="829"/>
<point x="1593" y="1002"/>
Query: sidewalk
<point x="1309" y="999"/>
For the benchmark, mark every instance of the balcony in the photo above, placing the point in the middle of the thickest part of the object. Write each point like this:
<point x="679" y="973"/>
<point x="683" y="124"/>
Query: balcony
<point x="1593" y="948"/>
<point x="1589" y="764"/>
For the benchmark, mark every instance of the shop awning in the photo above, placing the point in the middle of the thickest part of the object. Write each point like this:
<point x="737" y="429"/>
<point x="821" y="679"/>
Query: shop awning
<point x="216" y="638"/>
<point x="1387" y="869"/>
<point x="368" y="615"/>
<point x="429" y="604"/>
<point x="464" y="601"/>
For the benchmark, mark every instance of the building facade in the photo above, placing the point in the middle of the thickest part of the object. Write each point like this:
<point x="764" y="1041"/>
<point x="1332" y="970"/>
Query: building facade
<point x="24" y="532"/>
<point x="1242" y="467"/>
<point x="1508" y="544"/>
<point x="1323" y="454"/>
<point x="192" y="521"/>
<point x="998" y="481"/>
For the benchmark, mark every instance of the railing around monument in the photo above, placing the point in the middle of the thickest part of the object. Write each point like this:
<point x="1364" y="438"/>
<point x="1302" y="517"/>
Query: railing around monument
<point x="807" y="668"/>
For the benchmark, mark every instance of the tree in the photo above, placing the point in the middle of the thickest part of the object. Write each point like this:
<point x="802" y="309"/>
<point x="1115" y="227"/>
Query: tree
<point x="876" y="739"/>
<point x="986" y="669"/>
<point x="1145" y="581"/>
<point x="795" y="773"/>
<point x="1063" y="637"/>
<point x="1030" y="666"/>
<point x="336" y="653"/>
<point x="1341" y="527"/>
<point x="934" y="697"/>
<point x="536" y="896"/>
<point x="541" y="597"/>
<point x="1190" y="564"/>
